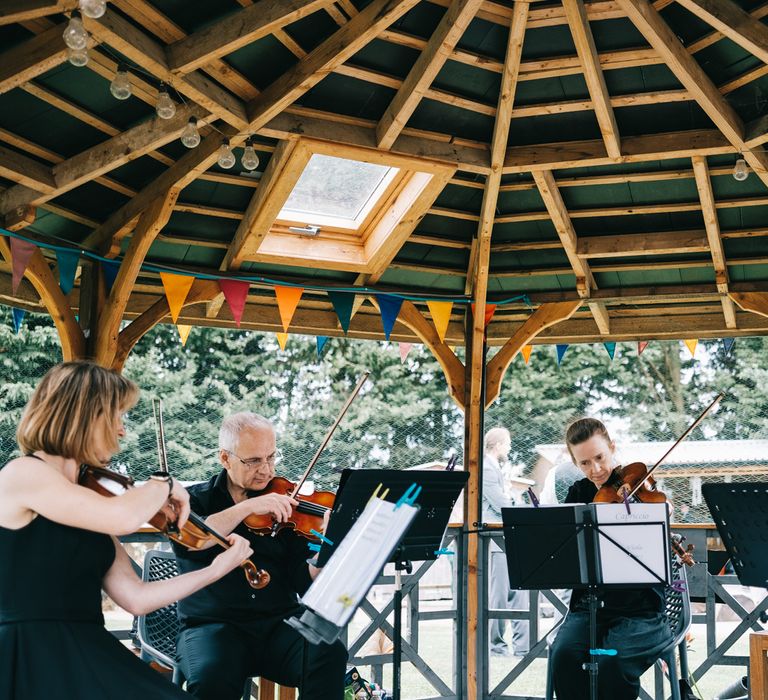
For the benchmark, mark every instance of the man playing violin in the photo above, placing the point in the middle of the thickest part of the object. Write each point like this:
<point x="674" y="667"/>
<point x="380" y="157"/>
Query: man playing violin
<point x="230" y="631"/>
<point x="631" y="621"/>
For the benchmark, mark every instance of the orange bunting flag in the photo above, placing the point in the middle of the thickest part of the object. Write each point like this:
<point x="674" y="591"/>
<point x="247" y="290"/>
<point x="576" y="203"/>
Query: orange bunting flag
<point x="441" y="315"/>
<point x="405" y="348"/>
<point x="490" y="309"/>
<point x="282" y="339"/>
<point x="183" y="333"/>
<point x="526" y="352"/>
<point x="287" y="301"/>
<point x="691" y="345"/>
<point x="176" y="289"/>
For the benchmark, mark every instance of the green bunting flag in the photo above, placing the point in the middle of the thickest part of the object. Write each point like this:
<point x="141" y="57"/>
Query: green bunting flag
<point x="67" y="262"/>
<point x="610" y="348"/>
<point x="342" y="305"/>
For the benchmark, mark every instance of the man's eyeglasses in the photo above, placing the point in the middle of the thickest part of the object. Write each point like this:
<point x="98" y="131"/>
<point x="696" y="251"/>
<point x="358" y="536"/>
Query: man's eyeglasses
<point x="256" y="462"/>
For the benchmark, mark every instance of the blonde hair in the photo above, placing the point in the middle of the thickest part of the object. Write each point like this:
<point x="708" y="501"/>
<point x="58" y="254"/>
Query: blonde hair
<point x="73" y="405"/>
<point x="495" y="436"/>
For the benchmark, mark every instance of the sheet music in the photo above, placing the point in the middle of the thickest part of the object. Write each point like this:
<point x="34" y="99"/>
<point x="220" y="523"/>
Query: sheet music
<point x="644" y="532"/>
<point x="353" y="567"/>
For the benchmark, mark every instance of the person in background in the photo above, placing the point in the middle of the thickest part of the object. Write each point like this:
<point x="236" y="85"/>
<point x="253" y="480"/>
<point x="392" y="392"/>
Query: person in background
<point x="496" y="447"/>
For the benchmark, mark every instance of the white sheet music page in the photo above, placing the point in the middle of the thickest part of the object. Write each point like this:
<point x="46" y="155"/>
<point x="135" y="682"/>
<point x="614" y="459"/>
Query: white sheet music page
<point x="644" y="532"/>
<point x="357" y="561"/>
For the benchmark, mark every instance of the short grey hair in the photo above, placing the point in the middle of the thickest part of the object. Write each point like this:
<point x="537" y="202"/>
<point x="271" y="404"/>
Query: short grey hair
<point x="232" y="426"/>
<point x="495" y="436"/>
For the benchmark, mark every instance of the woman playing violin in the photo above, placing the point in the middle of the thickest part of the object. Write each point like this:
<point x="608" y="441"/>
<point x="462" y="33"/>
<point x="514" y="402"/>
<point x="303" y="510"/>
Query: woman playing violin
<point x="631" y="621"/>
<point x="59" y="549"/>
<point x="230" y="631"/>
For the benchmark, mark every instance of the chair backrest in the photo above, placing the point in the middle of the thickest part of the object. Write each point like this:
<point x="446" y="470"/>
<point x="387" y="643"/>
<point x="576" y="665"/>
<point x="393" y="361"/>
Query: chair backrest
<point x="158" y="629"/>
<point x="677" y="603"/>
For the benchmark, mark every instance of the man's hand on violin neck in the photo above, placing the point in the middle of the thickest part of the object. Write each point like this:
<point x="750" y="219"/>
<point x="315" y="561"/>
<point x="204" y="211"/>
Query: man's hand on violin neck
<point x="278" y="505"/>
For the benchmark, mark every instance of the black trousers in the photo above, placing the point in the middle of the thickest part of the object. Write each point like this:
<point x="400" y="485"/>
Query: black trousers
<point x="638" y="640"/>
<point x="216" y="659"/>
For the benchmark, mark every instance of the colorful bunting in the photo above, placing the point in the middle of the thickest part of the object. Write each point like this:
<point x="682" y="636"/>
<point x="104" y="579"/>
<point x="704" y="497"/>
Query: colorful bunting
<point x="404" y="348"/>
<point x="21" y="252"/>
<point x="342" y="305"/>
<point x="235" y="293"/>
<point x="691" y="345"/>
<point x="18" y="317"/>
<point x="561" y="352"/>
<point x="490" y="309"/>
<point x="728" y="344"/>
<point x="441" y="315"/>
<point x="389" y="308"/>
<point x="611" y="348"/>
<point x="176" y="289"/>
<point x="109" y="270"/>
<point x="526" y="352"/>
<point x="183" y="332"/>
<point x="321" y="341"/>
<point x="67" y="262"/>
<point x="642" y="345"/>
<point x="287" y="301"/>
<point x="282" y="339"/>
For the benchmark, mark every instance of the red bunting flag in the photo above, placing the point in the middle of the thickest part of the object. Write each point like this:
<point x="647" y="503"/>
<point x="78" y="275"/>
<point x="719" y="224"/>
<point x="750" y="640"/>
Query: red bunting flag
<point x="235" y="292"/>
<point x="490" y="309"/>
<point x="641" y="345"/>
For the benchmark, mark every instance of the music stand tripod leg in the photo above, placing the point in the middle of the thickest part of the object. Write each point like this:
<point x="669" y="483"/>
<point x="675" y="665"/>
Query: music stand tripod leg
<point x="397" y="651"/>
<point x="591" y="666"/>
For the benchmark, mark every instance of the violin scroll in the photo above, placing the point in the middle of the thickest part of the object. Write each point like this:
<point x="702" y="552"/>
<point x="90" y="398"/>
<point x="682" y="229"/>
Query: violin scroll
<point x="684" y="555"/>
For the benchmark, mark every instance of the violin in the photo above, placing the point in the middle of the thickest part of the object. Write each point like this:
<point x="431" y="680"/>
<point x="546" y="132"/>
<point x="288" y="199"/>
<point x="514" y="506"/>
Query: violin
<point x="311" y="509"/>
<point x="634" y="481"/>
<point x="684" y="555"/>
<point x="194" y="535"/>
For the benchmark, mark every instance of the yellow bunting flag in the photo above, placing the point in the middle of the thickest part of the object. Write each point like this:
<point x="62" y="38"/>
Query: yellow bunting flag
<point x="183" y="332"/>
<point x="691" y="345"/>
<point x="441" y="315"/>
<point x="176" y="289"/>
<point x="287" y="301"/>
<point x="282" y="339"/>
<point x="526" y="352"/>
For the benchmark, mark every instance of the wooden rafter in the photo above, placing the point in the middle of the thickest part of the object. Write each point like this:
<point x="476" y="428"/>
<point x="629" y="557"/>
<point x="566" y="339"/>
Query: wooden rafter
<point x="593" y="74"/>
<point x="712" y="226"/>
<point x="27" y="171"/>
<point x="658" y="34"/>
<point x="754" y="302"/>
<point x="32" y="58"/>
<point x="545" y="316"/>
<point x="12" y="11"/>
<point x="437" y="51"/>
<point x="631" y="244"/>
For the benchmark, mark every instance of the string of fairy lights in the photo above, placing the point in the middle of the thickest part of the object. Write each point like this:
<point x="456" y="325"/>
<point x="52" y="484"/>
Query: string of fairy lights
<point x="76" y="38"/>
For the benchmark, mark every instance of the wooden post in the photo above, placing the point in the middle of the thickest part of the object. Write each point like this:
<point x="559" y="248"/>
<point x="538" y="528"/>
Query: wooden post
<point x="758" y="666"/>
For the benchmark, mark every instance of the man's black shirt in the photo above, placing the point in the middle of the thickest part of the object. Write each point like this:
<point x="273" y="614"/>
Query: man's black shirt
<point x="624" y="602"/>
<point x="231" y="599"/>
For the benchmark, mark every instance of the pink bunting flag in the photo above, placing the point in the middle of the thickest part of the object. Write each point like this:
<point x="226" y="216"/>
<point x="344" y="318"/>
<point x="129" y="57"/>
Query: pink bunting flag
<point x="287" y="301"/>
<point x="21" y="252"/>
<point x="405" y="348"/>
<point x="641" y="345"/>
<point x="235" y="292"/>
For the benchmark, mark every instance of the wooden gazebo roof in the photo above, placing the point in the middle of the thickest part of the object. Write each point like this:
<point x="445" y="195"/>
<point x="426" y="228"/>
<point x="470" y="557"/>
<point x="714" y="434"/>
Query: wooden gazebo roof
<point x="581" y="153"/>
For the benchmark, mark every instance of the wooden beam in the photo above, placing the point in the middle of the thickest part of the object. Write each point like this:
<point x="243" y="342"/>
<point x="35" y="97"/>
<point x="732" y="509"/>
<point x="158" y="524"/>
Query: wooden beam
<point x="593" y="74"/>
<point x="423" y="73"/>
<point x="237" y="30"/>
<point x="545" y="316"/>
<point x="149" y="54"/>
<point x="332" y="52"/>
<point x="732" y="22"/>
<point x="152" y="220"/>
<point x="34" y="57"/>
<point x="12" y="11"/>
<point x="754" y="302"/>
<point x="712" y="226"/>
<point x="632" y="244"/>
<point x="39" y="274"/>
<point x="27" y="171"/>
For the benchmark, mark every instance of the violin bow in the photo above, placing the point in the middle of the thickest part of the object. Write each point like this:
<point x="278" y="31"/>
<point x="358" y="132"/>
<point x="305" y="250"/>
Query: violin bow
<point x="688" y="431"/>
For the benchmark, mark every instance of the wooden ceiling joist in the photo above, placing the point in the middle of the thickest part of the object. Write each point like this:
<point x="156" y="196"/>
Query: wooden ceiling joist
<point x="12" y="11"/>
<point x="32" y="58"/>
<point x="437" y="51"/>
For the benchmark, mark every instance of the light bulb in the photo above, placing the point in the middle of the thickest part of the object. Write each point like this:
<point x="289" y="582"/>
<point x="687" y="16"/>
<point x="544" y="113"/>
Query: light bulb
<point x="77" y="57"/>
<point x="190" y="137"/>
<point x="740" y="170"/>
<point x="226" y="157"/>
<point x="93" y="8"/>
<point x="165" y="107"/>
<point x="250" y="161"/>
<point x="75" y="35"/>
<point x="120" y="87"/>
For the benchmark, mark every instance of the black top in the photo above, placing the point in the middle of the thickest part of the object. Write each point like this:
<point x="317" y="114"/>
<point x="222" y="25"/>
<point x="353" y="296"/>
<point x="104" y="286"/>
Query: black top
<point x="624" y="602"/>
<point x="231" y="599"/>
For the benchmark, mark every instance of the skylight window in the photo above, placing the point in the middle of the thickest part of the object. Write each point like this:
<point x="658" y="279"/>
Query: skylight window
<point x="336" y="191"/>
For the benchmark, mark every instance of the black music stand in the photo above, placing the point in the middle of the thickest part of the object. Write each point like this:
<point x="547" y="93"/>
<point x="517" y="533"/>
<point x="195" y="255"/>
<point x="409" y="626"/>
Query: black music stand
<point x="422" y="542"/>
<point x="740" y="512"/>
<point x="587" y="547"/>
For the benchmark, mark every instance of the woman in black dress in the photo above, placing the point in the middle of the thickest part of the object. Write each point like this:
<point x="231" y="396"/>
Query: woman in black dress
<point x="58" y="548"/>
